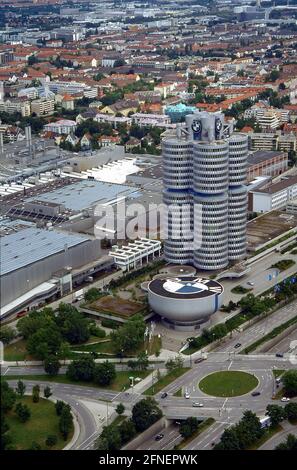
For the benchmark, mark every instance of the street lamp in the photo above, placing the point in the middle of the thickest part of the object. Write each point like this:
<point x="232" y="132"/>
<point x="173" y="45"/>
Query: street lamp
<point x="132" y="383"/>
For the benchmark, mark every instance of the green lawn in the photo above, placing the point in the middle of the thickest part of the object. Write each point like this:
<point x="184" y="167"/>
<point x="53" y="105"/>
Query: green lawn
<point x="284" y="264"/>
<point x="16" y="351"/>
<point x="166" y="380"/>
<point x="278" y="372"/>
<point x="121" y="381"/>
<point x="43" y="421"/>
<point x="107" y="347"/>
<point x="228" y="383"/>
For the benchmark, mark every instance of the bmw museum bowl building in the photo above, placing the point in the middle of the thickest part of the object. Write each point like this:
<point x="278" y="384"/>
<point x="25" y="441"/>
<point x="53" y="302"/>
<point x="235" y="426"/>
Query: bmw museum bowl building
<point x="185" y="303"/>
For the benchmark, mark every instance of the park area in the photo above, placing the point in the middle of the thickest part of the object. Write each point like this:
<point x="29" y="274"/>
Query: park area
<point x="228" y="383"/>
<point x="42" y="423"/>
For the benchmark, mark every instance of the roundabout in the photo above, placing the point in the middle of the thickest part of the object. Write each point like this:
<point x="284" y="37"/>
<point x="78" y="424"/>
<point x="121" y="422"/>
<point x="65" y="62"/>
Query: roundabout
<point x="228" y="384"/>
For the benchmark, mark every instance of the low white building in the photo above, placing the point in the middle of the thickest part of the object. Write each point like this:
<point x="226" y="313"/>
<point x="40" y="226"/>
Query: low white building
<point x="134" y="254"/>
<point x="63" y="126"/>
<point x="276" y="196"/>
<point x="142" y="119"/>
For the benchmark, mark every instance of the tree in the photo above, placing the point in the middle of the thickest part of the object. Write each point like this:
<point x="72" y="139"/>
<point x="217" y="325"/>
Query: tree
<point x="142" y="361"/>
<point x="35" y="393"/>
<point x="229" y="440"/>
<point x="52" y="365"/>
<point x="127" y="430"/>
<point x="34" y="321"/>
<point x="289" y="444"/>
<point x="51" y="440"/>
<point x="35" y="446"/>
<point x="64" y="351"/>
<point x="23" y="412"/>
<point x="145" y="413"/>
<point x="7" y="334"/>
<point x="47" y="392"/>
<point x="104" y="373"/>
<point x="110" y="439"/>
<point x="188" y="427"/>
<point x="60" y="405"/>
<point x="291" y="411"/>
<point x="120" y="409"/>
<point x="8" y="397"/>
<point x="45" y="342"/>
<point x="289" y="380"/>
<point x="130" y="336"/>
<point x="74" y="326"/>
<point x="66" y="422"/>
<point x="5" y="439"/>
<point x="21" y="388"/>
<point x="276" y="414"/>
<point x="173" y="364"/>
<point x="81" y="369"/>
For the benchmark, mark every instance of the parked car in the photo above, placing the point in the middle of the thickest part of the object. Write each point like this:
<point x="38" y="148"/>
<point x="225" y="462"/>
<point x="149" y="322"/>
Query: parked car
<point x="279" y="355"/>
<point x="159" y="437"/>
<point x="237" y="345"/>
<point x="164" y="395"/>
<point x="285" y="399"/>
<point x="250" y="283"/>
<point x="197" y="405"/>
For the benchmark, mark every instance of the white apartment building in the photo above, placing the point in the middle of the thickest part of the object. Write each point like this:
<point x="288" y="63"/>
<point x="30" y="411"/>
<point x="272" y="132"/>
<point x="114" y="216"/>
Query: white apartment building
<point x="104" y="117"/>
<point x="276" y="196"/>
<point x="12" y="107"/>
<point x="43" y="107"/>
<point x="267" y="117"/>
<point x="272" y="141"/>
<point x="142" y="119"/>
<point x="64" y="126"/>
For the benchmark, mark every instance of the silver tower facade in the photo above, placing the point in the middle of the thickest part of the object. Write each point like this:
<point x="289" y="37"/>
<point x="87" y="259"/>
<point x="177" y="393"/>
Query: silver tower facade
<point x="204" y="171"/>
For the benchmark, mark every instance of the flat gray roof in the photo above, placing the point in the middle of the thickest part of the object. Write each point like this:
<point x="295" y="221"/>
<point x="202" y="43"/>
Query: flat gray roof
<point x="84" y="194"/>
<point x="263" y="155"/>
<point x="30" y="245"/>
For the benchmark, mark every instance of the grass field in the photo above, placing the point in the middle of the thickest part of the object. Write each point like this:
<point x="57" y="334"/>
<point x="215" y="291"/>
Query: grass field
<point x="228" y="383"/>
<point x="16" y="351"/>
<point x="122" y="379"/>
<point x="166" y="380"/>
<point x="43" y="422"/>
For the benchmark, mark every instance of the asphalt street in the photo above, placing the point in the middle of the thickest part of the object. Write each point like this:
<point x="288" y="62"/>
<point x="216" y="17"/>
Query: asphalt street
<point x="259" y="329"/>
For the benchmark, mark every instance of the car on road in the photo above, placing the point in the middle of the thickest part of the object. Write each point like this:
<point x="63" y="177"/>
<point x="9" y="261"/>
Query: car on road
<point x="197" y="405"/>
<point x="159" y="437"/>
<point x="164" y="395"/>
<point x="256" y="394"/>
<point x="237" y="345"/>
<point x="187" y="395"/>
<point x="285" y="399"/>
<point x="279" y="355"/>
<point x="200" y="359"/>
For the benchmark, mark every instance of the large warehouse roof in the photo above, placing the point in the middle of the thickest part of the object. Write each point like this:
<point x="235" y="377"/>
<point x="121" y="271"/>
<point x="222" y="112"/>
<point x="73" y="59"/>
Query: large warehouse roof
<point x="85" y="194"/>
<point x="30" y="245"/>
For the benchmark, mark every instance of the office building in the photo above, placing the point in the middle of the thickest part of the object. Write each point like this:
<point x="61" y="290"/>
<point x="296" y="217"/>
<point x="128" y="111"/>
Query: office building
<point x="204" y="176"/>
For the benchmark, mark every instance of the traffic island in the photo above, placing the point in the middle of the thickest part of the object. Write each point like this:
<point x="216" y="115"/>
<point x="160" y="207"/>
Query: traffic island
<point x="228" y="384"/>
